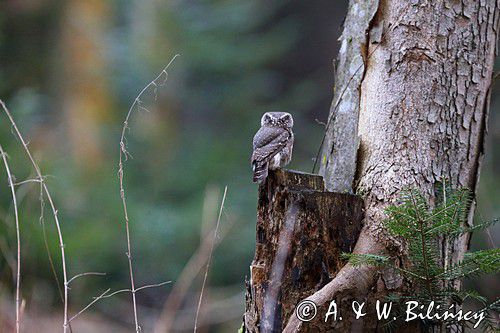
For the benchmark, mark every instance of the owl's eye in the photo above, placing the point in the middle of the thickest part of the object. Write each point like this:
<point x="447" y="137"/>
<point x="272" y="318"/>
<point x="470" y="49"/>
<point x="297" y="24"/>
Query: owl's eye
<point x="286" y="118"/>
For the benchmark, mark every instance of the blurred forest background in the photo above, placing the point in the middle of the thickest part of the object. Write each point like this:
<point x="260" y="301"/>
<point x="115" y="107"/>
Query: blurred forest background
<point x="69" y="70"/>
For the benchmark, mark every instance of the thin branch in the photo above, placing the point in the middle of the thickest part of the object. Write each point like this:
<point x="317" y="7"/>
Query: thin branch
<point x="85" y="274"/>
<point x="89" y="305"/>
<point x="18" y="238"/>
<point x="137" y="289"/>
<point x="209" y="259"/>
<point x="53" y="207"/>
<point x="319" y="122"/>
<point x="153" y="285"/>
<point x="106" y="295"/>
<point x="41" y="219"/>
<point x="28" y="181"/>
<point x="157" y="82"/>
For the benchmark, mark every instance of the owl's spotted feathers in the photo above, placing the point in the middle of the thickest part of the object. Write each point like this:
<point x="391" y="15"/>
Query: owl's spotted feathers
<point x="272" y="144"/>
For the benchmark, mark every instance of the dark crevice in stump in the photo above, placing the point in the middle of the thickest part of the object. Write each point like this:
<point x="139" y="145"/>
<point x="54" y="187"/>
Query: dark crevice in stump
<point x="301" y="232"/>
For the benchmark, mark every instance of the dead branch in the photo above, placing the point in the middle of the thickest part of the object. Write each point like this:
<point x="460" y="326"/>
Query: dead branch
<point x="159" y="81"/>
<point x="137" y="289"/>
<point x="18" y="237"/>
<point x="89" y="305"/>
<point x="210" y="258"/>
<point x="53" y="207"/>
<point x="85" y="274"/>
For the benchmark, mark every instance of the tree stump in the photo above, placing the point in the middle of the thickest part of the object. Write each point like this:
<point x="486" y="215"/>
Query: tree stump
<point x="301" y="232"/>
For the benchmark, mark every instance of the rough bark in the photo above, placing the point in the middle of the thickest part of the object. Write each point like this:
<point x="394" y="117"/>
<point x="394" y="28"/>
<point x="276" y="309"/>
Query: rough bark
<point x="338" y="158"/>
<point x="301" y="232"/>
<point x="423" y="110"/>
<point x="424" y="102"/>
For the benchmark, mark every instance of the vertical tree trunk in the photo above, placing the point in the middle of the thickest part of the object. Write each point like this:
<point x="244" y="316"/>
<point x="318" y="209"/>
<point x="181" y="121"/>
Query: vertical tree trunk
<point x="419" y="101"/>
<point x="424" y="102"/>
<point x="84" y="97"/>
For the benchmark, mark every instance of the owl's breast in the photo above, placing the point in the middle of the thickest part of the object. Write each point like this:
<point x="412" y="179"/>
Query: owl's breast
<point x="275" y="161"/>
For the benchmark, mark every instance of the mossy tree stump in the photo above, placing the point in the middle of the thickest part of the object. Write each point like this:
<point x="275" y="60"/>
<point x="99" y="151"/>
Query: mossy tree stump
<point x="301" y="232"/>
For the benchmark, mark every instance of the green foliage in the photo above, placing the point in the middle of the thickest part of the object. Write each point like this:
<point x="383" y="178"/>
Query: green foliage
<point x="474" y="263"/>
<point x="426" y="232"/>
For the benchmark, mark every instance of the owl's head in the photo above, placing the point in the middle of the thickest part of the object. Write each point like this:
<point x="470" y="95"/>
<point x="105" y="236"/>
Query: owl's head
<point x="277" y="119"/>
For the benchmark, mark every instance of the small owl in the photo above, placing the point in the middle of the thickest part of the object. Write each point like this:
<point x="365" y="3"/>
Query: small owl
<point x="272" y="144"/>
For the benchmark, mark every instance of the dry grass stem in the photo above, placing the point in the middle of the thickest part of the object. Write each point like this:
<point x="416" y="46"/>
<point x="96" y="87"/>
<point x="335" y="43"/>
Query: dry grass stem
<point x="27" y="181"/>
<point x="53" y="207"/>
<point x="165" y="322"/>
<point x="18" y="238"/>
<point x="44" y="232"/>
<point x="209" y="259"/>
<point x="85" y="274"/>
<point x="159" y="81"/>
<point x="41" y="219"/>
<point x="89" y="305"/>
<point x="106" y="294"/>
<point x="137" y="289"/>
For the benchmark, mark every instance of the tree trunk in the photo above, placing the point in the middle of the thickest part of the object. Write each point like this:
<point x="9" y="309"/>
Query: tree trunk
<point x="85" y="95"/>
<point x="413" y="89"/>
<point x="424" y="102"/>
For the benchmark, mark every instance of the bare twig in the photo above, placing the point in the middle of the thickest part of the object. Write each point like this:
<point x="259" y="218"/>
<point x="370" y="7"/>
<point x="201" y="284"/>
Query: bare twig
<point x="53" y="207"/>
<point x="27" y="181"/>
<point x="18" y="238"/>
<point x="209" y="259"/>
<point x="41" y="219"/>
<point x="106" y="295"/>
<point x="85" y="274"/>
<point x="89" y="305"/>
<point x="153" y="285"/>
<point x="319" y="122"/>
<point x="136" y="290"/>
<point x="159" y="81"/>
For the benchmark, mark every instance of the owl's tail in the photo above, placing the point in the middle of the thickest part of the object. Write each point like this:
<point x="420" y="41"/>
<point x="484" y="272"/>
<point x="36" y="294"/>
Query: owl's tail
<point x="259" y="171"/>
